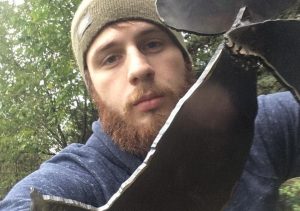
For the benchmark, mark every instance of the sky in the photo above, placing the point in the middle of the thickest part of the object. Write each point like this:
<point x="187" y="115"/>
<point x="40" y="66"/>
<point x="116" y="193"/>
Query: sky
<point x="16" y="2"/>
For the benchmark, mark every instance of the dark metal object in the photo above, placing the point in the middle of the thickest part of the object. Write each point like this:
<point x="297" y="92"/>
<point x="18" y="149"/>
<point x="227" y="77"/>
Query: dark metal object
<point x="277" y="43"/>
<point x="200" y="152"/>
<point x="215" y="16"/>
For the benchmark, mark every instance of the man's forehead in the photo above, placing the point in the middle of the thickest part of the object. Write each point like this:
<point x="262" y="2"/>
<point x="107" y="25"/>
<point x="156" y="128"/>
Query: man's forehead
<point x="114" y="31"/>
<point x="136" y="25"/>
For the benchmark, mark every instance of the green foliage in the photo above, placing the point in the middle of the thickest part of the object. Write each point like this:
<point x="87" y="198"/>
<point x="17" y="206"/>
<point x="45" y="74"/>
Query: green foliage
<point x="44" y="105"/>
<point x="201" y="49"/>
<point x="267" y="83"/>
<point x="290" y="195"/>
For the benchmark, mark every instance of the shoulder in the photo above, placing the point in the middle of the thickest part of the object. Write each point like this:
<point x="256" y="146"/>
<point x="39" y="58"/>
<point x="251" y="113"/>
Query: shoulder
<point x="88" y="173"/>
<point x="278" y="117"/>
<point x="278" y="108"/>
<point x="277" y="133"/>
<point x="73" y="173"/>
<point x="278" y="100"/>
<point x="67" y="174"/>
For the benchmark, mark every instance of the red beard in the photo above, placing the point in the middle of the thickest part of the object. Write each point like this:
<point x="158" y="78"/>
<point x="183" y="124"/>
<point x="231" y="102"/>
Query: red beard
<point x="134" y="138"/>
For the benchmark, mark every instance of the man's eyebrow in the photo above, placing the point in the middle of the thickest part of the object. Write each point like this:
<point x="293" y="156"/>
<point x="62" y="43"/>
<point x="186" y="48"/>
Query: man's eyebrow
<point x="105" y="46"/>
<point x="150" y="31"/>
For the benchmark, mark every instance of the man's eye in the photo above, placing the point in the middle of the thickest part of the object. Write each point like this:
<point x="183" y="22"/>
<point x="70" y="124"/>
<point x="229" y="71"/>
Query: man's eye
<point x="111" y="60"/>
<point x="153" y="46"/>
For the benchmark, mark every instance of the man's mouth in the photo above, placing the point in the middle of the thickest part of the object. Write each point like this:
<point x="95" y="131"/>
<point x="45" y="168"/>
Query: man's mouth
<point x="148" y="102"/>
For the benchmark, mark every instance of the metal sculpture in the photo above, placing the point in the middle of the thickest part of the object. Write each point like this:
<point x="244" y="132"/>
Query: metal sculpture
<point x="276" y="43"/>
<point x="215" y="16"/>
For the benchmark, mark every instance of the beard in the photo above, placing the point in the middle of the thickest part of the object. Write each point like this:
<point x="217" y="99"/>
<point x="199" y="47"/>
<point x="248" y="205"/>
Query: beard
<point x="125" y="132"/>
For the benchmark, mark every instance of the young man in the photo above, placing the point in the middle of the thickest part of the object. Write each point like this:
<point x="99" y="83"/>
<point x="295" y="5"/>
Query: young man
<point x="136" y="70"/>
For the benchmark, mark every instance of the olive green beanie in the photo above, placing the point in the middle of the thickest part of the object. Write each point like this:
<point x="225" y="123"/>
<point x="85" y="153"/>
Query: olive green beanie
<point x="92" y="16"/>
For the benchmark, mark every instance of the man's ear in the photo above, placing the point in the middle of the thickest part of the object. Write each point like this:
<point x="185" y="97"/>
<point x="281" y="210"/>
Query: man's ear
<point x="88" y="82"/>
<point x="191" y="74"/>
<point x="189" y="65"/>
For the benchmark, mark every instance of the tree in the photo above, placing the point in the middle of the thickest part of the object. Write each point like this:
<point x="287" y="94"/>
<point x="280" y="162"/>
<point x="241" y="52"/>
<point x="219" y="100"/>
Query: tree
<point x="44" y="105"/>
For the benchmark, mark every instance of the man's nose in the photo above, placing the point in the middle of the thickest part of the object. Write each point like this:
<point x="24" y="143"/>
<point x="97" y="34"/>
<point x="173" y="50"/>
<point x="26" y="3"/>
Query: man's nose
<point x="139" y="67"/>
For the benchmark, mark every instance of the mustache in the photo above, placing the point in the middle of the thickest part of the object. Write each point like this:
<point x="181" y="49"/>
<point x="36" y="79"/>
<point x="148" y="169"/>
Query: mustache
<point x="139" y="92"/>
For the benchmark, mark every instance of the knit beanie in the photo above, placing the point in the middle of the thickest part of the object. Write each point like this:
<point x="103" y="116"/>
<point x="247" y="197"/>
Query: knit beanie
<point x="92" y="16"/>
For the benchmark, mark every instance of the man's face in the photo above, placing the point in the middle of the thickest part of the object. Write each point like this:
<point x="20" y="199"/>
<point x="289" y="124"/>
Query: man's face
<point x="138" y="75"/>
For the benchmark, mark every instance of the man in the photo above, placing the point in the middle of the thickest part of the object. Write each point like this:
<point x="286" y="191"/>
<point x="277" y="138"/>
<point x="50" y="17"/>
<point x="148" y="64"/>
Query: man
<point x="136" y="70"/>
